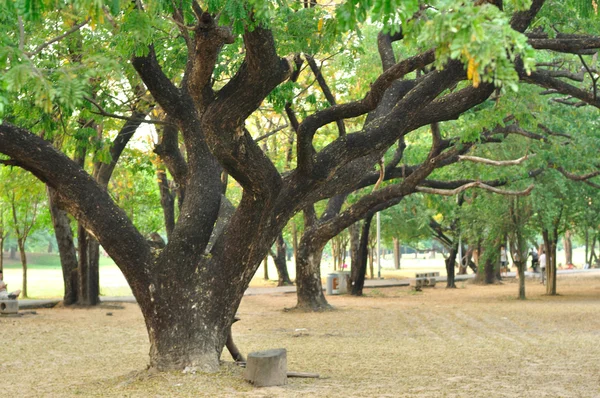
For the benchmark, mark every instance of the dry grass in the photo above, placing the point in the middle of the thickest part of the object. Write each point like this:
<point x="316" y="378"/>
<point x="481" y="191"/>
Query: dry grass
<point x="475" y="341"/>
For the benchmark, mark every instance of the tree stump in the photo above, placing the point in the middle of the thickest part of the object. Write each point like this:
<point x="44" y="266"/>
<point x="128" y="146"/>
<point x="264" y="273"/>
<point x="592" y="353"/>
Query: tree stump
<point x="267" y="368"/>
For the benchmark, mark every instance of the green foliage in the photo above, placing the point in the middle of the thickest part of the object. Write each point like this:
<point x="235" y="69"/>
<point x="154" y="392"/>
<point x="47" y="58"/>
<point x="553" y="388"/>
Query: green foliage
<point x="478" y="36"/>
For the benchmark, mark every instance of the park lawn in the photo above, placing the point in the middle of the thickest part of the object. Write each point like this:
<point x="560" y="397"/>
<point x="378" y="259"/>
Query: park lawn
<point x="474" y="341"/>
<point x="44" y="274"/>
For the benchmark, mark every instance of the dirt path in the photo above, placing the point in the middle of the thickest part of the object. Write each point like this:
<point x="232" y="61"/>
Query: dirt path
<point x="475" y="341"/>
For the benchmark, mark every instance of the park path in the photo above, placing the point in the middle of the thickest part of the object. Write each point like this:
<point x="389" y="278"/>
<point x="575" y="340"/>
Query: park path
<point x="253" y="291"/>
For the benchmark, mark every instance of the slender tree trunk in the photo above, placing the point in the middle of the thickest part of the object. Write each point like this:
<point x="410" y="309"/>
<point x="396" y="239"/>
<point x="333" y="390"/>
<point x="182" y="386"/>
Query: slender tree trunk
<point x="354" y="253"/>
<point x="66" y="248"/>
<point x="266" y="268"/>
<point x="550" y="246"/>
<point x="450" y="266"/>
<point x="21" y="243"/>
<point x="295" y="241"/>
<point x="567" y="243"/>
<point x="371" y="261"/>
<point x="551" y="286"/>
<point x="396" y="253"/>
<point x="521" y="266"/>
<point x="93" y="271"/>
<point x="13" y="252"/>
<point x="280" y="260"/>
<point x="82" y="264"/>
<point x="587" y="243"/>
<point x="363" y="252"/>
<point x="2" y="255"/>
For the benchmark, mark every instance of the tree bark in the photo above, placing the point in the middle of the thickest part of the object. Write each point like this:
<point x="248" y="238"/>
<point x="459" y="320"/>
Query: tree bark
<point x="308" y="276"/>
<point x="66" y="247"/>
<point x="363" y="253"/>
<point x="167" y="202"/>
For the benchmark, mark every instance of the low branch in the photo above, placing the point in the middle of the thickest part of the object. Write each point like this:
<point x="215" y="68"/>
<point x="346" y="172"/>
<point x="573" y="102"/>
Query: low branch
<point x="492" y="162"/>
<point x="576" y="177"/>
<point x="477" y="184"/>
<point x="572" y="44"/>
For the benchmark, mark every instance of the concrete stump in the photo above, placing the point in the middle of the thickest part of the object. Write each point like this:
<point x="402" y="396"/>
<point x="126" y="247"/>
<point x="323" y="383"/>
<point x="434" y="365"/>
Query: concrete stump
<point x="9" y="307"/>
<point x="267" y="368"/>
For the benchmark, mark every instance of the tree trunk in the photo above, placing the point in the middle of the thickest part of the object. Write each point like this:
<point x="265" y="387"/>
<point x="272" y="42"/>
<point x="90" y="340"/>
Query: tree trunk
<point x="280" y="260"/>
<point x="82" y="264"/>
<point x="491" y="270"/>
<point x="1" y="255"/>
<point x="551" y="259"/>
<point x="266" y="268"/>
<point x="568" y="248"/>
<point x="308" y="276"/>
<point x="93" y="276"/>
<point x="21" y="243"/>
<point x="295" y="241"/>
<point x="354" y="253"/>
<point x="13" y="252"/>
<point x="363" y="252"/>
<point x="50" y="247"/>
<point x="66" y="248"/>
<point x="521" y="266"/>
<point x="371" y="261"/>
<point x="450" y="266"/>
<point x="396" y="253"/>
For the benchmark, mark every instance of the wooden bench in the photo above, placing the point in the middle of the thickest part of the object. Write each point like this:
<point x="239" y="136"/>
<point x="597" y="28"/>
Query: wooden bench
<point x="425" y="279"/>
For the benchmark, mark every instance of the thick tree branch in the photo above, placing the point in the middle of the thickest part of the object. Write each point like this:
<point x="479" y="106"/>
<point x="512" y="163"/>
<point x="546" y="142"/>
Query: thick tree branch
<point x="310" y="125"/>
<point x="223" y="122"/>
<point x="209" y="39"/>
<point x="161" y="88"/>
<point x="543" y="79"/>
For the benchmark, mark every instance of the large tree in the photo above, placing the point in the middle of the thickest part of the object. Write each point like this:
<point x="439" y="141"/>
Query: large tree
<point x="189" y="290"/>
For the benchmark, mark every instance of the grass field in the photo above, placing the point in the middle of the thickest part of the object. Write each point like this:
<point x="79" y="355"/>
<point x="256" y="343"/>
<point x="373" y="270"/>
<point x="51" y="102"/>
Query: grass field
<point x="474" y="341"/>
<point x="45" y="276"/>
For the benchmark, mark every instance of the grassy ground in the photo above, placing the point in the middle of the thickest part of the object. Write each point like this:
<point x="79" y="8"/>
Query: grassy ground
<point x="475" y="341"/>
<point x="45" y="275"/>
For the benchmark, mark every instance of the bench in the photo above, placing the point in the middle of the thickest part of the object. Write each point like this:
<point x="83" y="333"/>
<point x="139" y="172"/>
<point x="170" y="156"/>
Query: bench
<point x="425" y="279"/>
<point x="9" y="307"/>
